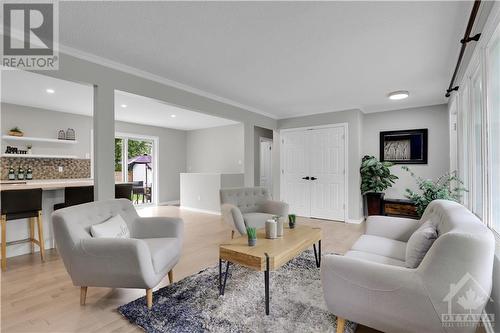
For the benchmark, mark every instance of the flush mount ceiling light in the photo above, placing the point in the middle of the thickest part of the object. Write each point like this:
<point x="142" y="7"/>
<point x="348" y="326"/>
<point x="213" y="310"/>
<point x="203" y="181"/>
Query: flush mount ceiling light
<point x="173" y="115"/>
<point x="400" y="94"/>
<point x="50" y="91"/>
<point x="123" y="105"/>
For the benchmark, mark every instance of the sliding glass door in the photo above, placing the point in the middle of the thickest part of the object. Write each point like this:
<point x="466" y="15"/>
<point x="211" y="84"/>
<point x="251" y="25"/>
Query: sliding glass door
<point x="135" y="163"/>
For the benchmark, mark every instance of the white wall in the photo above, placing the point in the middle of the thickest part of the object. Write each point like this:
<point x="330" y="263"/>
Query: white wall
<point x="434" y="118"/>
<point x="43" y="123"/>
<point x="200" y="191"/>
<point x="217" y="149"/>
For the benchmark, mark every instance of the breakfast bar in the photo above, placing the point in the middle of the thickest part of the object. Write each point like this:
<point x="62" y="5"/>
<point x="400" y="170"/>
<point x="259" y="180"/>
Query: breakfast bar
<point x="53" y="193"/>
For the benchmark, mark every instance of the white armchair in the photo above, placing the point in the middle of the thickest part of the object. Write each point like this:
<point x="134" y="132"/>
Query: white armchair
<point x="141" y="261"/>
<point x="249" y="207"/>
<point x="372" y="285"/>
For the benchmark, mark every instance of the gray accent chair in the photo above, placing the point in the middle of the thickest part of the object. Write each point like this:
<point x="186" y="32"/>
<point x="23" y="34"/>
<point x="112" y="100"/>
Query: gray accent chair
<point x="371" y="285"/>
<point x="249" y="207"/>
<point x="141" y="261"/>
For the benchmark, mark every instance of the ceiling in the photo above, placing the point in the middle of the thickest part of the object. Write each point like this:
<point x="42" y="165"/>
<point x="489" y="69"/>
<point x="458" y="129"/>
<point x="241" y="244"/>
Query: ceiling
<point x="281" y="58"/>
<point x="25" y="88"/>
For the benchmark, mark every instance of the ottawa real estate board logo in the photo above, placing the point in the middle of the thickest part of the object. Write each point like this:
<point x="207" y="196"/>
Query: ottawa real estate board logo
<point x="30" y="35"/>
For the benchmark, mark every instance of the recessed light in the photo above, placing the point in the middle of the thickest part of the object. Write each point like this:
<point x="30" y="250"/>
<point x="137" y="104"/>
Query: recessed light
<point x="50" y="91"/>
<point x="173" y="115"/>
<point x="400" y="94"/>
<point x="123" y="105"/>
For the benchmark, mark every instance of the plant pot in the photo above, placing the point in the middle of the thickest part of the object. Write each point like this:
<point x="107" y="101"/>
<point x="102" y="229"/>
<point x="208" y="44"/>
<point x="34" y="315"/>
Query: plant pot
<point x="374" y="203"/>
<point x="291" y="221"/>
<point x="252" y="241"/>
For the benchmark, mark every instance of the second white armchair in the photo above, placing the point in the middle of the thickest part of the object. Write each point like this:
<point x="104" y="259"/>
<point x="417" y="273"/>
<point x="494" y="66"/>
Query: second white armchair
<point x="244" y="207"/>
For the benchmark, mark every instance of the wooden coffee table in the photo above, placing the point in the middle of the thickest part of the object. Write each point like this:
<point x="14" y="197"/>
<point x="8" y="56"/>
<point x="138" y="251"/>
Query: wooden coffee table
<point x="269" y="254"/>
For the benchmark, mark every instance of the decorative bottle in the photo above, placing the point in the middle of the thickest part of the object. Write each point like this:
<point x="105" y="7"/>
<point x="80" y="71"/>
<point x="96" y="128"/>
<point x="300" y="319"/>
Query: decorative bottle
<point x="20" y="173"/>
<point x="12" y="173"/>
<point x="29" y="174"/>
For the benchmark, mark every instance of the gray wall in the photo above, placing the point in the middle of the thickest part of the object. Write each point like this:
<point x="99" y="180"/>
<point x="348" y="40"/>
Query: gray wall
<point x="217" y="149"/>
<point x="106" y="80"/>
<point x="36" y="122"/>
<point x="172" y="153"/>
<point x="354" y="120"/>
<point x="44" y="123"/>
<point x="259" y="132"/>
<point x="434" y="118"/>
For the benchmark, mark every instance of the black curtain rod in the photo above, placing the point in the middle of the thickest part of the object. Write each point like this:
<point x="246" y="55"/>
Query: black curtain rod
<point x="467" y="38"/>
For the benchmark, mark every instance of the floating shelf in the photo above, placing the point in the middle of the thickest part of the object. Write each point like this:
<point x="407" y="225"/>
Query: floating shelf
<point x="33" y="139"/>
<point x="39" y="156"/>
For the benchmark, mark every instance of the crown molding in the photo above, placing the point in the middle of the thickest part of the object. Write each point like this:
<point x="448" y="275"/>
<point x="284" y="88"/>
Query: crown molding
<point x="153" y="77"/>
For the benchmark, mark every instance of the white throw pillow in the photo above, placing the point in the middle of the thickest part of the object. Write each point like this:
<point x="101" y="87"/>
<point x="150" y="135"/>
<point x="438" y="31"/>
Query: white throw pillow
<point x="419" y="243"/>
<point x="114" y="227"/>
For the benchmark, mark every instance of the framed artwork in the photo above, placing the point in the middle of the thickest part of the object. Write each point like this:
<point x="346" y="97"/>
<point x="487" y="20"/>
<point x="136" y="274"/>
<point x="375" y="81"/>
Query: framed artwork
<point x="404" y="147"/>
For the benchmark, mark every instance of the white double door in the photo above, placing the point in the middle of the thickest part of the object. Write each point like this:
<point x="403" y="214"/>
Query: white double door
<point x="314" y="171"/>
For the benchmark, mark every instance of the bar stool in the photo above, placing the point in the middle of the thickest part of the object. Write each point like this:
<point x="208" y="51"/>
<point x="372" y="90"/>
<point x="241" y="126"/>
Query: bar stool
<point x="123" y="191"/>
<point x="76" y="195"/>
<point x="21" y="204"/>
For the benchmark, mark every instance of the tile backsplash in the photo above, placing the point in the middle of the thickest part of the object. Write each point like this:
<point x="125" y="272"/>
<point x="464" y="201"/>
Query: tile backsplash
<point x="48" y="168"/>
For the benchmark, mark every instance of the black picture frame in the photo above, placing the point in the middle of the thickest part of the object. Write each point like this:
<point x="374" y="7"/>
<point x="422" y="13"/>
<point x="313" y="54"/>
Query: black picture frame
<point x="404" y="147"/>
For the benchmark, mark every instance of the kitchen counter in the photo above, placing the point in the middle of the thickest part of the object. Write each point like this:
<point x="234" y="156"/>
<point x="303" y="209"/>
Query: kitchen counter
<point x="44" y="184"/>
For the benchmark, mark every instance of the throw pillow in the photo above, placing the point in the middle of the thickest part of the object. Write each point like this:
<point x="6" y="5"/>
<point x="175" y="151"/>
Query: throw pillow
<point x="419" y="243"/>
<point x="114" y="227"/>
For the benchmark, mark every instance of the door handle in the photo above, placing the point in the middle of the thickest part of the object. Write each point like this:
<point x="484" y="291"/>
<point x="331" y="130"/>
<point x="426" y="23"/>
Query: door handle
<point x="313" y="178"/>
<point x="306" y="178"/>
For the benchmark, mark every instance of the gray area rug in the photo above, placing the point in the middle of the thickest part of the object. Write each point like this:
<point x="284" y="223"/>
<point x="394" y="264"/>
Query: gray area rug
<point x="193" y="304"/>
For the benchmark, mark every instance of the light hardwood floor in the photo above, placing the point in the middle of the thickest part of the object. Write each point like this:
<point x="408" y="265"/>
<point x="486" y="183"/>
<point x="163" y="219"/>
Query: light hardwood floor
<point x="39" y="297"/>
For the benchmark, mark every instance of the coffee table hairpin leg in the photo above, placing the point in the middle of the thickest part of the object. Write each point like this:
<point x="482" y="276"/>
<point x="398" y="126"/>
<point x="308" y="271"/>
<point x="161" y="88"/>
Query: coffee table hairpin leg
<point x="266" y="283"/>
<point x="222" y="286"/>
<point x="316" y="257"/>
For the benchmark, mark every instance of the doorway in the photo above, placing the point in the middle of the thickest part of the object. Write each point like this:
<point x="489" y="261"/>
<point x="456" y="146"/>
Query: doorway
<point x="266" y="165"/>
<point x="136" y="163"/>
<point x="314" y="171"/>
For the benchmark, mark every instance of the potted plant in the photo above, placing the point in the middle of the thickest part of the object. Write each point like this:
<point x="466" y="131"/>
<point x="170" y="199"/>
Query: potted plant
<point x="15" y="131"/>
<point x="252" y="236"/>
<point x="376" y="177"/>
<point x="449" y="187"/>
<point x="291" y="220"/>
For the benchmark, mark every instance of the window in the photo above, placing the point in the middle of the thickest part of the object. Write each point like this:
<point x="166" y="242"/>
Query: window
<point x="477" y="108"/>
<point x="476" y="142"/>
<point x="463" y="142"/>
<point x="493" y="98"/>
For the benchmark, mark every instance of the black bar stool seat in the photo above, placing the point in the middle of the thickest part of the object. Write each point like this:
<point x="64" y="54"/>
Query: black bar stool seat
<point x="123" y="191"/>
<point x="21" y="204"/>
<point x="76" y="195"/>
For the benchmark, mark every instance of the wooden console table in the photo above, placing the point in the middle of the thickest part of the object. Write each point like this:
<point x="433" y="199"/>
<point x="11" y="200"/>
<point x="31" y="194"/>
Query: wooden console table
<point x="400" y="208"/>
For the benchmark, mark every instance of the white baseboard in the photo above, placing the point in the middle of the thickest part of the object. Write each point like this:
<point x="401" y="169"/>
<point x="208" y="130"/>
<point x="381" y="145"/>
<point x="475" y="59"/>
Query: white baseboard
<point x="198" y="210"/>
<point x="169" y="203"/>
<point x="355" y="221"/>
